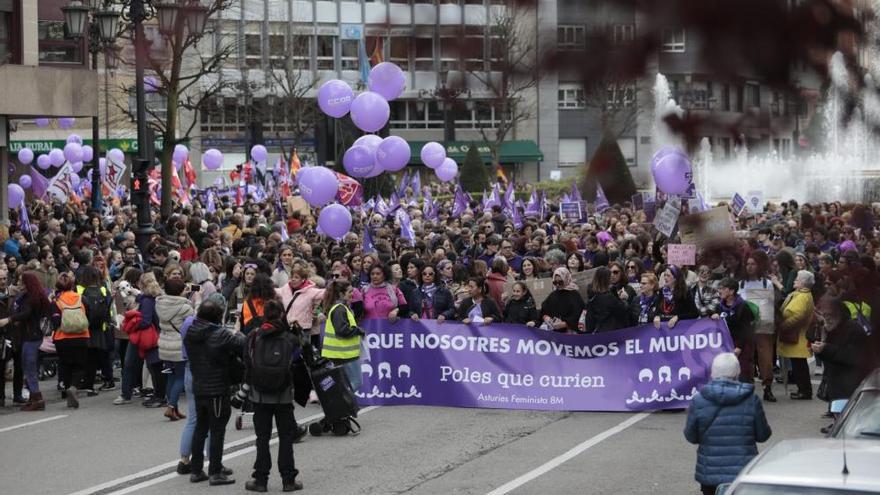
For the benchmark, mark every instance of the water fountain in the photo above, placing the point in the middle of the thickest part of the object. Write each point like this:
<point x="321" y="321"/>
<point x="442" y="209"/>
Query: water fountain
<point x="845" y="170"/>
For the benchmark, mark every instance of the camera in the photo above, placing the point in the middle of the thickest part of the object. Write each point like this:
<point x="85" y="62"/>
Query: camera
<point x="237" y="400"/>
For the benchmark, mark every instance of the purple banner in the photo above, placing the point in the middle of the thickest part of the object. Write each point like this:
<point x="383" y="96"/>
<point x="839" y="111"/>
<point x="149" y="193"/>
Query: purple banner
<point x="516" y="367"/>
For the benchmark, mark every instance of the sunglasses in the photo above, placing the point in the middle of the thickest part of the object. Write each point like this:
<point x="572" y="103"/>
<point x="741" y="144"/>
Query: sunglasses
<point x="631" y="267"/>
<point x="428" y="274"/>
<point x="615" y="272"/>
<point x="337" y="275"/>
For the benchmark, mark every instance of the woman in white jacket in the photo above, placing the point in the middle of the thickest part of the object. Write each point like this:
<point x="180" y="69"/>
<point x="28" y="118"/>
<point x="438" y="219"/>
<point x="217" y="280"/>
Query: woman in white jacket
<point x="173" y="308"/>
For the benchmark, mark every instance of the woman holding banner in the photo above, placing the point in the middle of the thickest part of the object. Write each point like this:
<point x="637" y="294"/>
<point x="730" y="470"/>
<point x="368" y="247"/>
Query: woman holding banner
<point x="674" y="304"/>
<point x="521" y="307"/>
<point x="431" y="298"/>
<point x="562" y="309"/>
<point x="381" y="299"/>
<point x="478" y="308"/>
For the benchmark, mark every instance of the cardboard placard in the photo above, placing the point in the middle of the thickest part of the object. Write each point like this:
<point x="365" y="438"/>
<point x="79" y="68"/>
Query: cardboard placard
<point x="542" y="287"/>
<point x="755" y="201"/>
<point x="681" y="254"/>
<point x="571" y="212"/>
<point x="667" y="217"/>
<point x="297" y="203"/>
<point x="738" y="204"/>
<point x="706" y="227"/>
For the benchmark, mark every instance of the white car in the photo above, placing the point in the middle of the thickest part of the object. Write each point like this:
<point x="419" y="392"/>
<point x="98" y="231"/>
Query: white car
<point x="811" y="467"/>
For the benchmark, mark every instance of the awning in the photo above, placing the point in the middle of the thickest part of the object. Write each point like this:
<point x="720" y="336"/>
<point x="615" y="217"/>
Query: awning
<point x="511" y="151"/>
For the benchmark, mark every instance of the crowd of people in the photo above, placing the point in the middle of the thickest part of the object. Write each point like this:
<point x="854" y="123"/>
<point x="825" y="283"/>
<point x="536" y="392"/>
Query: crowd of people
<point x="798" y="280"/>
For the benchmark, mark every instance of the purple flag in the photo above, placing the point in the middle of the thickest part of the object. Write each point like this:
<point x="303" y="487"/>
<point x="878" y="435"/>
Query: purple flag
<point x="517" y="218"/>
<point x="26" y="221"/>
<point x="39" y="183"/>
<point x="460" y="204"/>
<point x="509" y="197"/>
<point x="533" y="207"/>
<point x="211" y="207"/>
<point x="601" y="200"/>
<point x="404" y="182"/>
<point x="517" y="367"/>
<point x="284" y="235"/>
<point x="406" y="230"/>
<point x="496" y="196"/>
<point x="575" y="192"/>
<point x="416" y="183"/>
<point x="368" y="242"/>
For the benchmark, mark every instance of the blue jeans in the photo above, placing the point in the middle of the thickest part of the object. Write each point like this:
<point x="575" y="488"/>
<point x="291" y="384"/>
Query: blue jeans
<point x="131" y="372"/>
<point x="186" y="435"/>
<point x="30" y="354"/>
<point x="175" y="381"/>
<point x="353" y="370"/>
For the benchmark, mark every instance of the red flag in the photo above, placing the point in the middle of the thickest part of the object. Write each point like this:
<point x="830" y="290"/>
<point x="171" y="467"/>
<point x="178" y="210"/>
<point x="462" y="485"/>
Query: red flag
<point x="294" y="164"/>
<point x="350" y="192"/>
<point x="189" y="172"/>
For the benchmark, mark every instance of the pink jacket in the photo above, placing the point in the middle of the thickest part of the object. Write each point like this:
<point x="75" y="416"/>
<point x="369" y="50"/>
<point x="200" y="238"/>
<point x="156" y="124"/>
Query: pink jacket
<point x="301" y="311"/>
<point x="378" y="302"/>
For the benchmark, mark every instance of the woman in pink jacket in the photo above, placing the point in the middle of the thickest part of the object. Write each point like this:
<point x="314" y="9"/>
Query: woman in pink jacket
<point x="380" y="298"/>
<point x="298" y="297"/>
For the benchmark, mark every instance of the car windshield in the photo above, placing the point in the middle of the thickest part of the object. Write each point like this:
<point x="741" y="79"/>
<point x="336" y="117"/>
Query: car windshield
<point x="754" y="489"/>
<point x="863" y="420"/>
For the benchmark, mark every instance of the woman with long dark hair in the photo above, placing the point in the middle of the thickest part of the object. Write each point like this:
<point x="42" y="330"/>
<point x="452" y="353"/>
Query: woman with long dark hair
<point x="674" y="303"/>
<point x="431" y="299"/>
<point x="605" y="310"/>
<point x="28" y="311"/>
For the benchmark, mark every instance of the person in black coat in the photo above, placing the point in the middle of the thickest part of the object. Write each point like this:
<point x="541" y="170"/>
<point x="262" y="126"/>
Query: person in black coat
<point x="624" y="291"/>
<point x="477" y="308"/>
<point x="562" y="309"/>
<point x="521" y="306"/>
<point x="674" y="304"/>
<point x="430" y="299"/>
<point x="843" y="351"/>
<point x="741" y="323"/>
<point x="605" y="310"/>
<point x="211" y="350"/>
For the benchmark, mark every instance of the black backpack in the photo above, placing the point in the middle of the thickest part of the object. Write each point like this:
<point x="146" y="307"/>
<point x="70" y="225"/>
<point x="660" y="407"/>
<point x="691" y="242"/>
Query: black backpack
<point x="270" y="358"/>
<point x="97" y="308"/>
<point x="254" y="323"/>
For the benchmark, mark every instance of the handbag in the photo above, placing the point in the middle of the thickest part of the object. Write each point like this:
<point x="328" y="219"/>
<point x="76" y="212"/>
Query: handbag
<point x="822" y="390"/>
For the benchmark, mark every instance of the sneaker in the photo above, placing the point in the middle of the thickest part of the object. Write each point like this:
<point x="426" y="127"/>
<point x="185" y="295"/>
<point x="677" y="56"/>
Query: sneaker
<point x="108" y="386"/>
<point x="220" y="479"/>
<point x="198" y="477"/>
<point x="121" y="400"/>
<point x="292" y="486"/>
<point x="183" y="468"/>
<point x="91" y="392"/>
<point x="299" y="434"/>
<point x="154" y="402"/>
<point x="256" y="486"/>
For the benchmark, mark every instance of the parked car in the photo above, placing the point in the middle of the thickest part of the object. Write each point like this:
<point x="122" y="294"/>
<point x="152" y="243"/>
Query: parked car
<point x="860" y="419"/>
<point x="811" y="467"/>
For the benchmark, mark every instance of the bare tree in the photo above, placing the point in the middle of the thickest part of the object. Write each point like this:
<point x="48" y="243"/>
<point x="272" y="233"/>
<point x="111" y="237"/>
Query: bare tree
<point x="293" y="85"/>
<point x="513" y="72"/>
<point x="187" y="78"/>
<point x="616" y="103"/>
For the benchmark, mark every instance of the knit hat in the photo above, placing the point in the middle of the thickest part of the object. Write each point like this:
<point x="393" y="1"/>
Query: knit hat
<point x="725" y="366"/>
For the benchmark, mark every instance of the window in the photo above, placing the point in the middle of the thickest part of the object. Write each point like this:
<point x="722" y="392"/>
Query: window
<point x="54" y="47"/>
<point x="348" y="54"/>
<point x="621" y="95"/>
<point x="570" y="37"/>
<point x="778" y="104"/>
<point x="9" y="32"/>
<point x="740" y="99"/>
<point x="326" y="53"/>
<point x="450" y="48"/>
<point x="253" y="50"/>
<point x="622" y="34"/>
<point x="277" y="52"/>
<point x="157" y="108"/>
<point x="572" y="152"/>
<point x="430" y="115"/>
<point x="628" y="150"/>
<point x="472" y="51"/>
<point x="224" y="40"/>
<point x="753" y="95"/>
<point x="673" y="40"/>
<point x="725" y="97"/>
<point x="497" y="51"/>
<point x="571" y="96"/>
<point x="301" y="48"/>
<point x="424" y="56"/>
<point x="398" y="52"/>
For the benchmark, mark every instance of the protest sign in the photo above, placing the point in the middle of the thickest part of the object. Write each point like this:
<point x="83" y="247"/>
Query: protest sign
<point x="571" y="212"/>
<point x="755" y="201"/>
<point x="667" y="218"/>
<point x="681" y="254"/>
<point x="764" y="298"/>
<point x="711" y="226"/>
<point x="297" y="203"/>
<point x="738" y="204"/>
<point x="504" y="366"/>
<point x="638" y="201"/>
<point x="542" y="287"/>
<point x="650" y="202"/>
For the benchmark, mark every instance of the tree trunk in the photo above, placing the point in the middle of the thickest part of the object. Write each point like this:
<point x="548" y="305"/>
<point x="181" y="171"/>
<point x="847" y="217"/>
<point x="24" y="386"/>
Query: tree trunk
<point x="170" y="136"/>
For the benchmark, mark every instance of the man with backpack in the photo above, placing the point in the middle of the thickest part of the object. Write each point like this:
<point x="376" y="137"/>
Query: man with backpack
<point x="269" y="366"/>
<point x="96" y="299"/>
<point x="740" y="318"/>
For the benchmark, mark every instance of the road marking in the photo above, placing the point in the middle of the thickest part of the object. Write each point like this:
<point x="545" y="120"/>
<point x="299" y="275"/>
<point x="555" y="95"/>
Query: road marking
<point x="571" y="454"/>
<point x="31" y="423"/>
<point x="168" y="476"/>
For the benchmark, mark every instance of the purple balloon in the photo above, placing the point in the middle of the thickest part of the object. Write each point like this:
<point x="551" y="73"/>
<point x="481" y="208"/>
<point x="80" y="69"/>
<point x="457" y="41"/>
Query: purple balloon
<point x="76" y="167"/>
<point x="102" y="166"/>
<point x="88" y="153"/>
<point x="41" y="122"/>
<point x="335" y="98"/>
<point x="66" y="122"/>
<point x="370" y="112"/>
<point x="75" y="138"/>
<point x="74" y="180"/>
<point x="116" y="156"/>
<point x="15" y="195"/>
<point x="43" y="162"/>
<point x="318" y="185"/>
<point x="212" y="159"/>
<point x="259" y="153"/>
<point x="335" y="221"/>
<point x="25" y="156"/>
<point x="377" y="171"/>
<point x="393" y="154"/>
<point x="447" y="170"/>
<point x="176" y="164"/>
<point x="56" y="157"/>
<point x="151" y="84"/>
<point x="371" y="141"/>
<point x="180" y="153"/>
<point x="359" y="161"/>
<point x="388" y="80"/>
<point x="433" y="154"/>
<point x="672" y="172"/>
<point x="73" y="152"/>
<point x="25" y="181"/>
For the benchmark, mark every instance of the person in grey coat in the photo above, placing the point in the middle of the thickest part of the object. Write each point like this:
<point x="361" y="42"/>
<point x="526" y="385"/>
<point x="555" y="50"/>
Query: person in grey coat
<point x="726" y="419"/>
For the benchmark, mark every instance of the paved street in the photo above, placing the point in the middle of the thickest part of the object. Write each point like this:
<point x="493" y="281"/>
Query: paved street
<point x="105" y="449"/>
